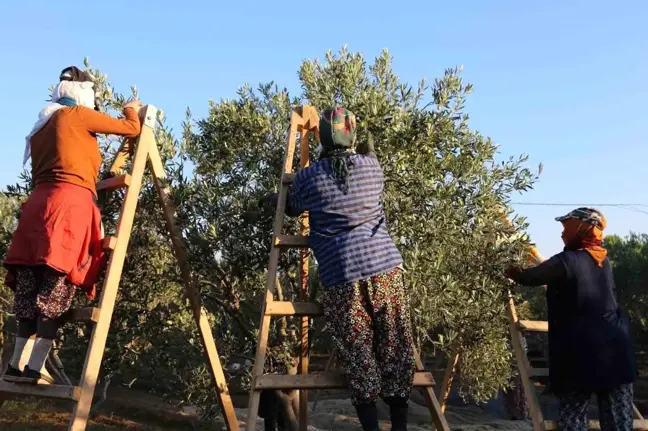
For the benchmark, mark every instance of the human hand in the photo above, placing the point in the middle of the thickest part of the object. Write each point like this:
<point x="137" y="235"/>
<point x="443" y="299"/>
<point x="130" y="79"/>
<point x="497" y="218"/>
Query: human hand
<point x="135" y="104"/>
<point x="512" y="272"/>
<point x="270" y="199"/>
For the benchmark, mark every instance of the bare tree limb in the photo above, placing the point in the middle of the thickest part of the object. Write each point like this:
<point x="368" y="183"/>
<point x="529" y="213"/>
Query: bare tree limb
<point x="5" y="301"/>
<point x="103" y="395"/>
<point x="280" y="297"/>
<point x="56" y="366"/>
<point x="290" y="414"/>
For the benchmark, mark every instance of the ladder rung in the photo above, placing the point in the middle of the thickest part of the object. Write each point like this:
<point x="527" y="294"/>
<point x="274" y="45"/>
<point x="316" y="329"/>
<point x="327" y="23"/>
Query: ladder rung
<point x="286" y="308"/>
<point x="86" y="314"/>
<point x="533" y="325"/>
<point x="291" y="241"/>
<point x="114" y="183"/>
<point x="287" y="178"/>
<point x="637" y="424"/>
<point x="323" y="381"/>
<point x="539" y="372"/>
<point x="63" y="392"/>
<point x="109" y="243"/>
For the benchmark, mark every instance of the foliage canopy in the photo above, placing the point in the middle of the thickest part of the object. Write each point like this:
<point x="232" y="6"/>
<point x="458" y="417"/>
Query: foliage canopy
<point x="445" y="196"/>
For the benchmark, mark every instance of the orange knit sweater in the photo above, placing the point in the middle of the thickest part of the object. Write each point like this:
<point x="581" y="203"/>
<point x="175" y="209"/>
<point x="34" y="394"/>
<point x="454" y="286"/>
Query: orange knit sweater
<point x="66" y="150"/>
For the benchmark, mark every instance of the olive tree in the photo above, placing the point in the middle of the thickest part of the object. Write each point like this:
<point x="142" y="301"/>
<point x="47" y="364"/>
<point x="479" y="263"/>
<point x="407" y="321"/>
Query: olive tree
<point x="445" y="197"/>
<point x="446" y="194"/>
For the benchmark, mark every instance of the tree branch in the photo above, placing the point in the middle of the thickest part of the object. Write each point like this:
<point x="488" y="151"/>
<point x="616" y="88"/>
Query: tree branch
<point x="231" y="311"/>
<point x="5" y="301"/>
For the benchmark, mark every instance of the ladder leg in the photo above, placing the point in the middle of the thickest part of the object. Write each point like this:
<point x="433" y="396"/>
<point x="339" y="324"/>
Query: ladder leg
<point x="264" y="330"/>
<point x="636" y="413"/>
<point x="90" y="373"/>
<point x="121" y="157"/>
<point x="111" y="284"/>
<point x="438" y="419"/>
<point x="525" y="370"/>
<point x="255" y="396"/>
<point x="303" y="292"/>
<point x="216" y="369"/>
<point x="193" y="292"/>
<point x="303" y="369"/>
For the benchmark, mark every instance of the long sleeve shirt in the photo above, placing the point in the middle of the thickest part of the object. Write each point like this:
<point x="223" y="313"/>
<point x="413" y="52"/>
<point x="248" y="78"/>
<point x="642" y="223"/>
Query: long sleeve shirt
<point x="548" y="272"/>
<point x="66" y="149"/>
<point x="348" y="231"/>
<point x="590" y="346"/>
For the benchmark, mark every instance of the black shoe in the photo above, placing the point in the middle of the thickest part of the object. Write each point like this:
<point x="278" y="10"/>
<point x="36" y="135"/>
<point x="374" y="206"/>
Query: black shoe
<point x="11" y="374"/>
<point x="368" y="415"/>
<point x="398" y="414"/>
<point x="35" y="377"/>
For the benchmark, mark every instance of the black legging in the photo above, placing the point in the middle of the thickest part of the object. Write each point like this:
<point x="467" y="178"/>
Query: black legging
<point x="41" y="326"/>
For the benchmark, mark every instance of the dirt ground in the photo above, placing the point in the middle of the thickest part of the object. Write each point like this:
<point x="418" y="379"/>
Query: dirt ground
<point x="329" y="415"/>
<point x="130" y="410"/>
<point x="136" y="411"/>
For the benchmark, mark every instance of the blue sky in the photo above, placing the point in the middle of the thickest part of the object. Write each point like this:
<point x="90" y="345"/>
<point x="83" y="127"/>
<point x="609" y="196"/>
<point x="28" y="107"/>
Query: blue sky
<point x="561" y="81"/>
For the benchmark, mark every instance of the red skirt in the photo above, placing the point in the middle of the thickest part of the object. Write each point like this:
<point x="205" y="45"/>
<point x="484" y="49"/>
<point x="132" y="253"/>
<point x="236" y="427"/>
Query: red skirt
<point x="60" y="226"/>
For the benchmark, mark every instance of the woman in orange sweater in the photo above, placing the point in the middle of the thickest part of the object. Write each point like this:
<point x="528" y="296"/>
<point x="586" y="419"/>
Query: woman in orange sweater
<point x="56" y="247"/>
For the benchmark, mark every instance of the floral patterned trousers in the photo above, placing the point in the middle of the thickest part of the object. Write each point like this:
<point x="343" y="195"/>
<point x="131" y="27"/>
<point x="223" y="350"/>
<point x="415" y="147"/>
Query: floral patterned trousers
<point x="370" y="323"/>
<point x="42" y="291"/>
<point x="615" y="409"/>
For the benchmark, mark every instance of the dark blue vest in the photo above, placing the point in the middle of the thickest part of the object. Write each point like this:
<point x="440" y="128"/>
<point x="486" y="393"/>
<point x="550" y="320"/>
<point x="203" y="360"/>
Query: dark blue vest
<point x="590" y="345"/>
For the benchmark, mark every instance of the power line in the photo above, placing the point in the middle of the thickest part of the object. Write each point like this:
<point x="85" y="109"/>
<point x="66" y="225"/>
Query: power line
<point x="628" y="206"/>
<point x="576" y="205"/>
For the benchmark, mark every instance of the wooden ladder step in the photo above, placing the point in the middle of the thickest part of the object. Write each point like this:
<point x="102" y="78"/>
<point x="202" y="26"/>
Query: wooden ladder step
<point x="86" y="314"/>
<point x="109" y="243"/>
<point x="286" y="308"/>
<point x="114" y="183"/>
<point x="539" y="372"/>
<point x="637" y="424"/>
<point x="323" y="381"/>
<point x="285" y="241"/>
<point x="62" y="392"/>
<point x="533" y="326"/>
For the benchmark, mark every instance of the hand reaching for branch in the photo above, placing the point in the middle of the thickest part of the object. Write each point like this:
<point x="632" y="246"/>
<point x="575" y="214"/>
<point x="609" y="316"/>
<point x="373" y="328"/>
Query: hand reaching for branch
<point x="269" y="200"/>
<point x="135" y="104"/>
<point x="512" y="272"/>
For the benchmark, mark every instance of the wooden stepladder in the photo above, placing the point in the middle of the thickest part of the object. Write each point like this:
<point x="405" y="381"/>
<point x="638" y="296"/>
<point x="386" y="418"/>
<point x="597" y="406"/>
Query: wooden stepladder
<point x="144" y="148"/>
<point x="304" y="120"/>
<point x="517" y="329"/>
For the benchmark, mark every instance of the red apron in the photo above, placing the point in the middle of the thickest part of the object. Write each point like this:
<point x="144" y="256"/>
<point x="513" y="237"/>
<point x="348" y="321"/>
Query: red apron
<point x="60" y="226"/>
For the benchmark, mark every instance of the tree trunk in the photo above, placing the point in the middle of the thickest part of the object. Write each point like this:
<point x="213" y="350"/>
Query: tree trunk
<point x="103" y="396"/>
<point x="291" y="422"/>
<point x="280" y="296"/>
<point x="277" y="411"/>
<point x="515" y="400"/>
<point x="55" y="366"/>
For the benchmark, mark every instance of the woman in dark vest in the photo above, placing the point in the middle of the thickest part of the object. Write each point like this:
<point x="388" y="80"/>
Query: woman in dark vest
<point x="590" y="347"/>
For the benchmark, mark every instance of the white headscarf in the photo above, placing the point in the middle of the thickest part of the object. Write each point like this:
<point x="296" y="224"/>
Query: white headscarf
<point x="81" y="92"/>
